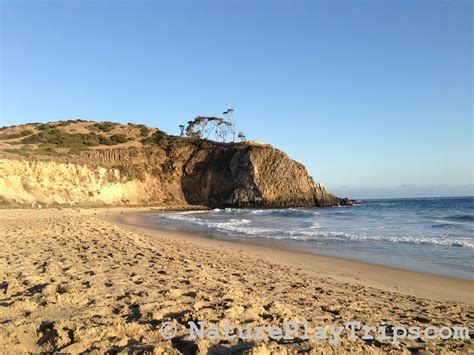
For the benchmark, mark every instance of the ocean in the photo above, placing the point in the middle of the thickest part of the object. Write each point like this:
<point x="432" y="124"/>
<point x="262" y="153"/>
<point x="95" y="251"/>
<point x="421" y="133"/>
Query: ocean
<point x="434" y="235"/>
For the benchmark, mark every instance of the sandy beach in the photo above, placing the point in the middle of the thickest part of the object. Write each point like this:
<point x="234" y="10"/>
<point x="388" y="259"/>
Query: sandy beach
<point x="73" y="282"/>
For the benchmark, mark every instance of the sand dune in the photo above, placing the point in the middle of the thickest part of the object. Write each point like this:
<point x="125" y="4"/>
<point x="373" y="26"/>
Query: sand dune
<point x="73" y="283"/>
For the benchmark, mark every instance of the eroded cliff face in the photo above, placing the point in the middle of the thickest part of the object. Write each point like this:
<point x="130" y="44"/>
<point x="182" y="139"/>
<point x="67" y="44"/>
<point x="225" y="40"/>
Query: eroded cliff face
<point x="215" y="175"/>
<point x="253" y="176"/>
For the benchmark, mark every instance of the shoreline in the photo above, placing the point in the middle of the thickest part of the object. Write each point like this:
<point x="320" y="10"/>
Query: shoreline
<point x="72" y="282"/>
<point x="391" y="279"/>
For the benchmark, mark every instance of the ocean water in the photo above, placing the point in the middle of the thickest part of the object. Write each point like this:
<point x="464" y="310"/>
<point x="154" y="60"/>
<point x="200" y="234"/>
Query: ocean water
<point x="434" y="235"/>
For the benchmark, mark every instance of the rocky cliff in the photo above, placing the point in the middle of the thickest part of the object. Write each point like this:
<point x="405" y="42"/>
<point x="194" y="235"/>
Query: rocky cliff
<point x="177" y="172"/>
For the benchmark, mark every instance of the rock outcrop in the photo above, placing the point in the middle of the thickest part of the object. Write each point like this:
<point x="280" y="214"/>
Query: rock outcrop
<point x="251" y="176"/>
<point x="184" y="173"/>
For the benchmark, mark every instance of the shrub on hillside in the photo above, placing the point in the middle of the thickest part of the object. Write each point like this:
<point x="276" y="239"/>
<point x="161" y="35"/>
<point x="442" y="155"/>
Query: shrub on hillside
<point x="156" y="138"/>
<point x="145" y="131"/>
<point x="23" y="133"/>
<point x="105" y="140"/>
<point x="119" y="138"/>
<point x="44" y="126"/>
<point x="104" y="126"/>
<point x="63" y="139"/>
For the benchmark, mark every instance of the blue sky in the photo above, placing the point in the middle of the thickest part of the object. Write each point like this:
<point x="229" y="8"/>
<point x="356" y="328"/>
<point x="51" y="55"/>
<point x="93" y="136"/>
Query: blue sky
<point x="374" y="97"/>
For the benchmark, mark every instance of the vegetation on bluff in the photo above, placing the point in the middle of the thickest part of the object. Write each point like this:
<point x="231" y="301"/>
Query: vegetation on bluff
<point x="70" y="138"/>
<point x="202" y="127"/>
<point x="63" y="139"/>
<point x="23" y="133"/>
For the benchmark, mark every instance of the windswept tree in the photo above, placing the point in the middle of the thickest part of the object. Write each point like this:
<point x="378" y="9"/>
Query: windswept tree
<point x="242" y="137"/>
<point x="191" y="130"/>
<point x="230" y="113"/>
<point x="212" y="123"/>
<point x="222" y="129"/>
<point x="181" y="128"/>
<point x="203" y="126"/>
<point x="196" y="127"/>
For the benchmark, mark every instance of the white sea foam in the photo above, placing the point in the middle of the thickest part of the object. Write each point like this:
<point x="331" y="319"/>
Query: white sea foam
<point x="432" y="232"/>
<point x="245" y="227"/>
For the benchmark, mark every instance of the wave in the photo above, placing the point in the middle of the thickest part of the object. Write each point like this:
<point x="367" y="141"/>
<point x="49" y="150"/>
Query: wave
<point x="231" y="225"/>
<point x="185" y="218"/>
<point x="245" y="227"/>
<point x="449" y="242"/>
<point x="445" y="225"/>
<point x="309" y="235"/>
<point x="460" y="218"/>
<point x="290" y="212"/>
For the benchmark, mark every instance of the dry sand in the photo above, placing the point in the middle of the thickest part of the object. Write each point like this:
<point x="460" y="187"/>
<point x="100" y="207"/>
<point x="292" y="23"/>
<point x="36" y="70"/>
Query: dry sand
<point x="72" y="282"/>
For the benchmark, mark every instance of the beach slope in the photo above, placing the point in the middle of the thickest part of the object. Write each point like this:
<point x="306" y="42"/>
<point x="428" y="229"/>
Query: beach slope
<point x="72" y="282"/>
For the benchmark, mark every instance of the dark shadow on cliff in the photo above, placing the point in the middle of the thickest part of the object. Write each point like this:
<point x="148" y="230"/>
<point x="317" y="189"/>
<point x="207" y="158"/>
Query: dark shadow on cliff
<point x="215" y="175"/>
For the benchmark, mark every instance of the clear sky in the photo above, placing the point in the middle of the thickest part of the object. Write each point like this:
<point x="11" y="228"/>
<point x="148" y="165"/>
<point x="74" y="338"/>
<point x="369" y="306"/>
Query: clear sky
<point x="374" y="97"/>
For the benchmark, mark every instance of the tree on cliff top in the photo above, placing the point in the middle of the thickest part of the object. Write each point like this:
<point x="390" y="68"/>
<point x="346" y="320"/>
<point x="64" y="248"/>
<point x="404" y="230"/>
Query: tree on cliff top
<point x="230" y="112"/>
<point x="203" y="126"/>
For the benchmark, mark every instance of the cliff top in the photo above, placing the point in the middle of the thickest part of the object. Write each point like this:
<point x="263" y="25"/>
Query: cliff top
<point x="65" y="139"/>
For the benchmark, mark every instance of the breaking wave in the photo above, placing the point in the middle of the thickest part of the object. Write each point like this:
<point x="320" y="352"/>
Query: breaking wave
<point x="403" y="232"/>
<point x="259" y="224"/>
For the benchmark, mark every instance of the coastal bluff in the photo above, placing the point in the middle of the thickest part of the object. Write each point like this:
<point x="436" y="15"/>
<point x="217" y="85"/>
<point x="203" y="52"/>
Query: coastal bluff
<point x="84" y="163"/>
